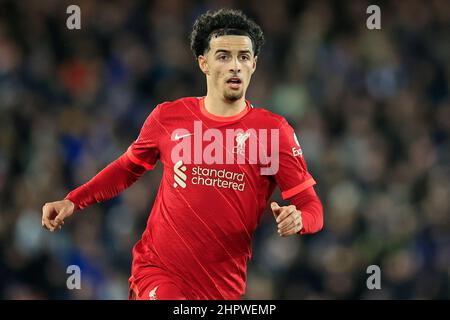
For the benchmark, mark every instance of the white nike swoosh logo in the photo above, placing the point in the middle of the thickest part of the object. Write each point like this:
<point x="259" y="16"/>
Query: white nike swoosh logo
<point x="177" y="137"/>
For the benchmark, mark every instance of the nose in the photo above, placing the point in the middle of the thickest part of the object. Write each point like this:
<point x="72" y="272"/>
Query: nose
<point x="235" y="66"/>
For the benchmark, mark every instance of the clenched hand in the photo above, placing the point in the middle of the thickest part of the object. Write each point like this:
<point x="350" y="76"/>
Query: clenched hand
<point x="289" y="219"/>
<point x="54" y="213"/>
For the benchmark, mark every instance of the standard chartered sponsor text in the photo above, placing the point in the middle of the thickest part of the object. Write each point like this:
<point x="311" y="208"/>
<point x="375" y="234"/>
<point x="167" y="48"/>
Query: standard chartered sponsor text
<point x="220" y="178"/>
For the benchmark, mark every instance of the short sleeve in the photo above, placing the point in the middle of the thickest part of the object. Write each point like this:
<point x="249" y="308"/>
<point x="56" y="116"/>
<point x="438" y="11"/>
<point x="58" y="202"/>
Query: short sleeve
<point x="292" y="176"/>
<point x="144" y="151"/>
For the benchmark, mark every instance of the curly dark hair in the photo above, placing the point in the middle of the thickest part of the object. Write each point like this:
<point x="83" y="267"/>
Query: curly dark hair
<point x="224" y="22"/>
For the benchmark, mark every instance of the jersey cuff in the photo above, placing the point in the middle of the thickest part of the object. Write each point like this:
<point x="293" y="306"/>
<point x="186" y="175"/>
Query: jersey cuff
<point x="139" y="162"/>
<point x="302" y="186"/>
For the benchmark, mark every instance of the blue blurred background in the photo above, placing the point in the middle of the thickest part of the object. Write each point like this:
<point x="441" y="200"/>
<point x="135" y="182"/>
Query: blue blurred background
<point x="371" y="109"/>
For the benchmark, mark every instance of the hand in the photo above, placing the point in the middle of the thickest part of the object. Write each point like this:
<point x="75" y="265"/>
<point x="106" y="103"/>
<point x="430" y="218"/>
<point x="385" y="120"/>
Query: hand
<point x="54" y="213"/>
<point x="289" y="219"/>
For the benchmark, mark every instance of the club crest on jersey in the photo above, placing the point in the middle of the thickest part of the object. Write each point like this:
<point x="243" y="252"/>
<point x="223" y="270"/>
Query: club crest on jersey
<point x="240" y="142"/>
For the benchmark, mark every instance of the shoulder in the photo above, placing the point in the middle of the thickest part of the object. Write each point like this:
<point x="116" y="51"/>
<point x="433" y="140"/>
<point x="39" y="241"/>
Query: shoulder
<point x="269" y="118"/>
<point x="179" y="104"/>
<point x="167" y="109"/>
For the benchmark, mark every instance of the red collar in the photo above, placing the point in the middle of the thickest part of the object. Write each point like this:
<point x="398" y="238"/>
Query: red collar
<point x="214" y="117"/>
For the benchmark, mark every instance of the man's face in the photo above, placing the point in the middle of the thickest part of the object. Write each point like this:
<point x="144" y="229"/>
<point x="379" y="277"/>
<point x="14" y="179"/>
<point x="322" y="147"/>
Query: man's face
<point x="228" y="65"/>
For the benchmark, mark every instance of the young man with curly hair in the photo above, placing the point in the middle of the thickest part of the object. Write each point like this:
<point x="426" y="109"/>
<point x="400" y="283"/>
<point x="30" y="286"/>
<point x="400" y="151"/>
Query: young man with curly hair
<point x="218" y="175"/>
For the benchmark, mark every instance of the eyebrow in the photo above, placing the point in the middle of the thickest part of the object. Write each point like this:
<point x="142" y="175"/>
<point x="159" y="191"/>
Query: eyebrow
<point x="228" y="51"/>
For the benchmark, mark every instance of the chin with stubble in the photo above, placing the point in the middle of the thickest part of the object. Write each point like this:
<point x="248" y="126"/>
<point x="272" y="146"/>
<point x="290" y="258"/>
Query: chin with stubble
<point x="233" y="96"/>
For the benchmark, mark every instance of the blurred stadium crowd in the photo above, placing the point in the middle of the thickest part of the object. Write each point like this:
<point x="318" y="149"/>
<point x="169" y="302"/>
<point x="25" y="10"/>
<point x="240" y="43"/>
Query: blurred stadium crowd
<point x="371" y="110"/>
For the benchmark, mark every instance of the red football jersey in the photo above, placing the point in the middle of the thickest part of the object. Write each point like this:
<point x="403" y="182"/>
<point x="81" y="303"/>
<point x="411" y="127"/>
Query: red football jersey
<point x="219" y="173"/>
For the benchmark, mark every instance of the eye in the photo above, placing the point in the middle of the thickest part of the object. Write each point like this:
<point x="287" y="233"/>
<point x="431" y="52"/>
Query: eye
<point x="223" y="57"/>
<point x="245" y="57"/>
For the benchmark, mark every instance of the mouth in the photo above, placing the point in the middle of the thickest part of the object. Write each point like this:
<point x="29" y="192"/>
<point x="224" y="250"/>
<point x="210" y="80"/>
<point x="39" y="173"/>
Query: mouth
<point x="234" y="82"/>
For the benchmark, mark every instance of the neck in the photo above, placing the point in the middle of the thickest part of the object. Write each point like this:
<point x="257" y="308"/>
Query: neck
<point x="221" y="107"/>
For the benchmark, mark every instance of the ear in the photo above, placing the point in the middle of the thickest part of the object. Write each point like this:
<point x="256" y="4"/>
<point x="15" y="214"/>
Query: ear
<point x="203" y="64"/>
<point x="254" y="63"/>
